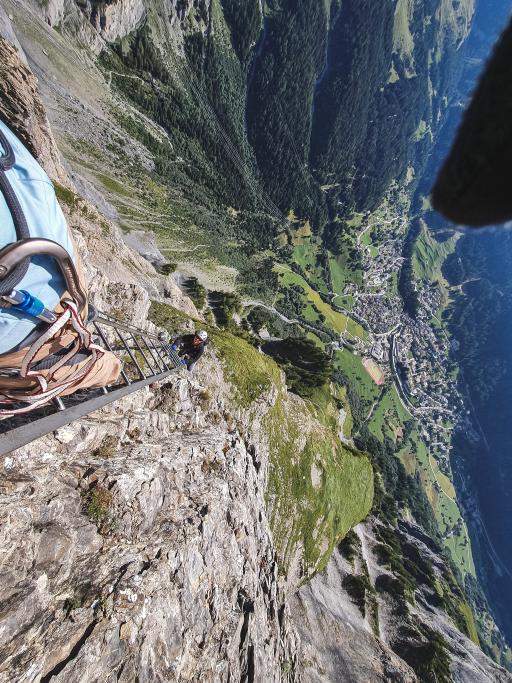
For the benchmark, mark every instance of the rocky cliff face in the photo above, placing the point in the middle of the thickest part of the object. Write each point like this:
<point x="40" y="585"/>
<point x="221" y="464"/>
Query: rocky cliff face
<point x="356" y="625"/>
<point x="136" y="546"/>
<point x="22" y="106"/>
<point x="114" y="20"/>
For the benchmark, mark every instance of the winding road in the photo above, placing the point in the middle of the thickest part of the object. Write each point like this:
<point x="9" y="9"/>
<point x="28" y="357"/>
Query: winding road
<point x="284" y="318"/>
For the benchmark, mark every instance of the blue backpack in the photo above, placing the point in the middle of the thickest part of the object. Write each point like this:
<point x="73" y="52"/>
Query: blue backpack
<point x="46" y="350"/>
<point x="28" y="210"/>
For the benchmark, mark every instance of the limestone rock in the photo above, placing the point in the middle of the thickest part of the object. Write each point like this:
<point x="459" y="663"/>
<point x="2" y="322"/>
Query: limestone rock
<point x="144" y="243"/>
<point x="22" y="109"/>
<point x="53" y="11"/>
<point x="341" y="642"/>
<point x="136" y="546"/>
<point x="7" y="32"/>
<point x="114" y="19"/>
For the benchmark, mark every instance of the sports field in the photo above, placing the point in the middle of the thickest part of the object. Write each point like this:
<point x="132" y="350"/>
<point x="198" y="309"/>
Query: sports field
<point x="374" y="371"/>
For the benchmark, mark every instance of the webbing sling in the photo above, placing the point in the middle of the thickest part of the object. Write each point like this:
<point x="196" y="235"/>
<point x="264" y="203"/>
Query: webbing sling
<point x="43" y="393"/>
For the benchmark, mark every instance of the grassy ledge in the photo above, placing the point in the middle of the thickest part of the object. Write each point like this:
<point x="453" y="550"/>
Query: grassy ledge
<point x="318" y="488"/>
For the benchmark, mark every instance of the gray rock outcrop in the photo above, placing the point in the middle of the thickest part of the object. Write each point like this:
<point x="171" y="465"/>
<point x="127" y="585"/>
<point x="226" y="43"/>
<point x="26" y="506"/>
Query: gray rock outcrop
<point x="21" y="106"/>
<point x="353" y="636"/>
<point x="136" y="546"/>
<point x="115" y="19"/>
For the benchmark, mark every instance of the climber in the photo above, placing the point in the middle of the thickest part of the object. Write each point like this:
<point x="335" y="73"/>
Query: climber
<point x="45" y="349"/>
<point x="191" y="347"/>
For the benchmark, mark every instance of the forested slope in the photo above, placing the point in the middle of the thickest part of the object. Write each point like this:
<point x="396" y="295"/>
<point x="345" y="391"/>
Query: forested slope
<point x="274" y="102"/>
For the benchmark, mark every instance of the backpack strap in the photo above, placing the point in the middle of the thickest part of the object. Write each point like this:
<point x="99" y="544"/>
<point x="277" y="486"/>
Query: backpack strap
<point x="7" y="160"/>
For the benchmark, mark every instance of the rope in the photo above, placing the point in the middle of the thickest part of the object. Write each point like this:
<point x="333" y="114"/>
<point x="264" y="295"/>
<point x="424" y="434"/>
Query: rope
<point x="43" y="394"/>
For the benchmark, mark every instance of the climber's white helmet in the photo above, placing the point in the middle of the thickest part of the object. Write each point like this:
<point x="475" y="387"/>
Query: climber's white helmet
<point x="203" y="336"/>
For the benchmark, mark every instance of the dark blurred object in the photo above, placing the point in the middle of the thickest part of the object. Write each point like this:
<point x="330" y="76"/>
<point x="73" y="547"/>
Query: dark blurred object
<point x="474" y="186"/>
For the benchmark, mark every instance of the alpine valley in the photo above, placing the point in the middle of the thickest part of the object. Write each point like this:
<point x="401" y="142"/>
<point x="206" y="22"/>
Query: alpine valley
<point x="311" y="503"/>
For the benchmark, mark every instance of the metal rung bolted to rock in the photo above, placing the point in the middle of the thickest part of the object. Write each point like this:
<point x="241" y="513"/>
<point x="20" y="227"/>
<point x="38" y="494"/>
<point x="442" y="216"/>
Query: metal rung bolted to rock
<point x="146" y="357"/>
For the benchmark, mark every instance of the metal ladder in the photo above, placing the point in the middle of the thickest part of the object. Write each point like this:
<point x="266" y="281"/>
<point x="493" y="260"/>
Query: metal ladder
<point x="146" y="359"/>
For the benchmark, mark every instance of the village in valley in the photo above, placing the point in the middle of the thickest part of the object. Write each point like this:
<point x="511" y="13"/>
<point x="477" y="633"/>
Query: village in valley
<point x="413" y="352"/>
<point x="417" y="397"/>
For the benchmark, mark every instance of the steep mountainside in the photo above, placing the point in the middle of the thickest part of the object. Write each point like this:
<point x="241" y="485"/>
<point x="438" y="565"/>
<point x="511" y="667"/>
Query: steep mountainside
<point x="136" y="543"/>
<point x="258" y="106"/>
<point x="359" y="101"/>
<point x="351" y="613"/>
<point x="263" y="155"/>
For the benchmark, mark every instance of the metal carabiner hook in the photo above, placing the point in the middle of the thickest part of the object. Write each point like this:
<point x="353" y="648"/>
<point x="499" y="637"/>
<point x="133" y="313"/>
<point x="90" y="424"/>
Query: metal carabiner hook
<point x="11" y="255"/>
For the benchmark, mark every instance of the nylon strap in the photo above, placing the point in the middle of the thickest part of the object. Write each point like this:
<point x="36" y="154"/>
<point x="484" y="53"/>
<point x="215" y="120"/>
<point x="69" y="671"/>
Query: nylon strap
<point x="7" y="161"/>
